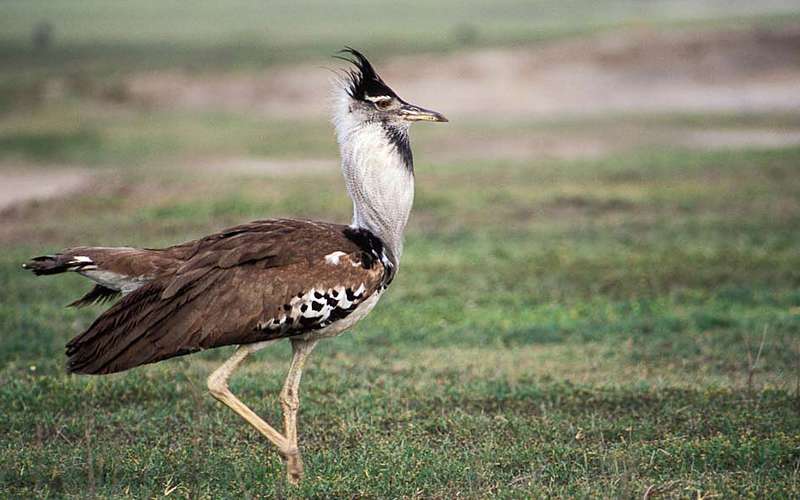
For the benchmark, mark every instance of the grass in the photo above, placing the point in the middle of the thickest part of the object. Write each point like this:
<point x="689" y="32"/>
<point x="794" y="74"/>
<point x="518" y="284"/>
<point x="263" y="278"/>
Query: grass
<point x="89" y="133"/>
<point x="78" y="132"/>
<point x="559" y="328"/>
<point x="151" y="33"/>
<point x="622" y="325"/>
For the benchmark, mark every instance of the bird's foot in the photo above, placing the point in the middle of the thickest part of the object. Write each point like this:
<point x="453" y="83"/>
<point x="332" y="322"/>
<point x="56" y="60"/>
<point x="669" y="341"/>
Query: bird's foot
<point x="294" y="467"/>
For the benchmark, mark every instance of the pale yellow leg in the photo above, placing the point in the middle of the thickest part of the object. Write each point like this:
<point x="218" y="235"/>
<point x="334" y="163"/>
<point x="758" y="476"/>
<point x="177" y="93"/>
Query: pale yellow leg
<point x="218" y="385"/>
<point x="290" y="402"/>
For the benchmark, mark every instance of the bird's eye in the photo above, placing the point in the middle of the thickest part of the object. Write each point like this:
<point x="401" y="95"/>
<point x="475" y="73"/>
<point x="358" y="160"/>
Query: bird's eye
<point x="383" y="103"/>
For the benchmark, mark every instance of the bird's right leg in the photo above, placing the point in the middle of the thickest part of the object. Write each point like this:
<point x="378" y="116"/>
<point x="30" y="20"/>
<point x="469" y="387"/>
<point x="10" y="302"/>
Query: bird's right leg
<point x="290" y="401"/>
<point x="218" y="386"/>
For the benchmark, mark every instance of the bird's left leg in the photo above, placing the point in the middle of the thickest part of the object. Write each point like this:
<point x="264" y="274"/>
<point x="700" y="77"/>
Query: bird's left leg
<point x="218" y="386"/>
<point x="290" y="401"/>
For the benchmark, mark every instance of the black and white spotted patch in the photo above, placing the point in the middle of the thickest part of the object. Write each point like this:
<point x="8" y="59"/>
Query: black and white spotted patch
<point x="315" y="309"/>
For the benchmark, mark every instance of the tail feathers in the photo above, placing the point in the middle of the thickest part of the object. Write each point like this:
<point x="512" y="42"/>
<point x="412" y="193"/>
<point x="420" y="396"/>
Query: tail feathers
<point x="97" y="295"/>
<point x="58" y="263"/>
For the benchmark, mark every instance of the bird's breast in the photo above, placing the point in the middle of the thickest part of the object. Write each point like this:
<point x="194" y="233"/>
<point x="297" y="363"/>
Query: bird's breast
<point x="341" y="325"/>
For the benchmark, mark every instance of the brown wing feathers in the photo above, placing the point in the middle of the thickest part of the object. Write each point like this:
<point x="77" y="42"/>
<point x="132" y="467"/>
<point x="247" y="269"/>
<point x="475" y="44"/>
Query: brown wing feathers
<point x="91" y="351"/>
<point x="255" y="282"/>
<point x="141" y="328"/>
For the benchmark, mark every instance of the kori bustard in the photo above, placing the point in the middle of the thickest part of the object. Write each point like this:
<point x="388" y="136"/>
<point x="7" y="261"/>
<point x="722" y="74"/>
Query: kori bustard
<point x="271" y="279"/>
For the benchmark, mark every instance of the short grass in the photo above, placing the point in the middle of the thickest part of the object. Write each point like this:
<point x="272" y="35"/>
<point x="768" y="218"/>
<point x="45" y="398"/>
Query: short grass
<point x="85" y="132"/>
<point x="613" y="327"/>
<point x="90" y="134"/>
<point x="559" y="328"/>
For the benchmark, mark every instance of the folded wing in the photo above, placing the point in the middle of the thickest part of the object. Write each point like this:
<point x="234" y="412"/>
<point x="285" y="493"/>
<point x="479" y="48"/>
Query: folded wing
<point x="261" y="281"/>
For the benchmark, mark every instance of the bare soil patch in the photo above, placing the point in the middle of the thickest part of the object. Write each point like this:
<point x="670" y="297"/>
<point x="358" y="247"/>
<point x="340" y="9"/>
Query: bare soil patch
<point x="19" y="184"/>
<point x="591" y="144"/>
<point x="264" y="166"/>
<point x="642" y="71"/>
<point x="740" y="138"/>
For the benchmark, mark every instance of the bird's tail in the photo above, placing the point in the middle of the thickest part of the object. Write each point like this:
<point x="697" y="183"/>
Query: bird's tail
<point x="55" y="264"/>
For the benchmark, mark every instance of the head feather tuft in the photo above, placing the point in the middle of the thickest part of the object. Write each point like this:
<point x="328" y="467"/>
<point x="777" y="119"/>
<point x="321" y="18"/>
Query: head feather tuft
<point x="362" y="80"/>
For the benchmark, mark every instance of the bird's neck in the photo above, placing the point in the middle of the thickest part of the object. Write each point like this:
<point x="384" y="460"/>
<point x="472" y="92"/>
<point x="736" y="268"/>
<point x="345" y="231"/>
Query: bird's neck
<point x="379" y="174"/>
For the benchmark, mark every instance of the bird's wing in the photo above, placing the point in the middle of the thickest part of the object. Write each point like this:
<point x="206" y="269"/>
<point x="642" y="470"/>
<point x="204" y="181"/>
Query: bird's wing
<point x="256" y="282"/>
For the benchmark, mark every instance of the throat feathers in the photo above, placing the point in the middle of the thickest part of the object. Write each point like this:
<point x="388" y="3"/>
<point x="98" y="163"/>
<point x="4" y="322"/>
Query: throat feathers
<point x="378" y="170"/>
<point x="372" y="124"/>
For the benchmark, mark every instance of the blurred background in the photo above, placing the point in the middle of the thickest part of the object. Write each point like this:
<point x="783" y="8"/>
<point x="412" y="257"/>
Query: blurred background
<point x="601" y="288"/>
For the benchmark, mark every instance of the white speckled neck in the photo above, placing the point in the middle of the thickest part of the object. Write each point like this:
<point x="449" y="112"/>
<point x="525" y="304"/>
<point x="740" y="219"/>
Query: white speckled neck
<point x="378" y="181"/>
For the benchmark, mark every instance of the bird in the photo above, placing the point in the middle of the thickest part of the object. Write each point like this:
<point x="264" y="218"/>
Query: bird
<point x="264" y="281"/>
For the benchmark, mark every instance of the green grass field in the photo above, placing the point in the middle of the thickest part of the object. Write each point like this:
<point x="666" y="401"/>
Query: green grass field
<point x="620" y="325"/>
<point x="588" y="328"/>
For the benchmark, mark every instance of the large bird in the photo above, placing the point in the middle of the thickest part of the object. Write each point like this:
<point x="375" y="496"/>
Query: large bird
<point x="267" y="280"/>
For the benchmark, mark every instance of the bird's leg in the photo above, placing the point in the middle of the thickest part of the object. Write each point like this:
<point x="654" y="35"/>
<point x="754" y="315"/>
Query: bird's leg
<point x="290" y="401"/>
<point x="218" y="385"/>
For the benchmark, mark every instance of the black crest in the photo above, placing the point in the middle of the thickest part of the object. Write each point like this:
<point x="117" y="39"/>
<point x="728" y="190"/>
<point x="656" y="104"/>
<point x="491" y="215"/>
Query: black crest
<point x="363" y="80"/>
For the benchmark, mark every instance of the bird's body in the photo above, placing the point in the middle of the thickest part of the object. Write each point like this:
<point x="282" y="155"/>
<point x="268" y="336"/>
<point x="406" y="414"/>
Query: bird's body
<point x="260" y="281"/>
<point x="265" y="280"/>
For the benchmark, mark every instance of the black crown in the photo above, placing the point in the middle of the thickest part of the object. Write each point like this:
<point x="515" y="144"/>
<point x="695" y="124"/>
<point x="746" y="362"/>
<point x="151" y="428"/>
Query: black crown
<point x="363" y="80"/>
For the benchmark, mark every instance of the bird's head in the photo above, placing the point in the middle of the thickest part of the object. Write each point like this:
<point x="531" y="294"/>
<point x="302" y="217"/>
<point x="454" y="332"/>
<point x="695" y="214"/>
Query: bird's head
<point x="369" y="99"/>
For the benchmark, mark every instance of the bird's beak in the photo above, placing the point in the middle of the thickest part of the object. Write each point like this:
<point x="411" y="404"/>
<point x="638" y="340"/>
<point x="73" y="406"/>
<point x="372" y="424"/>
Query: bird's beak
<point x="412" y="113"/>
